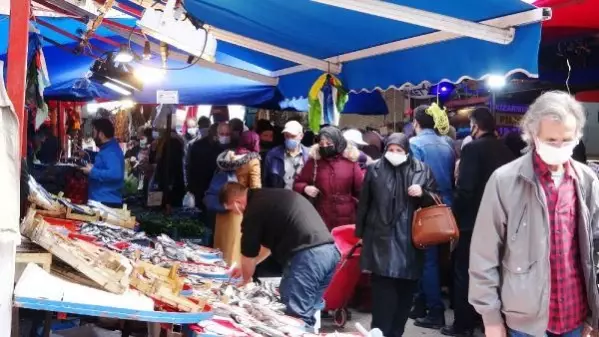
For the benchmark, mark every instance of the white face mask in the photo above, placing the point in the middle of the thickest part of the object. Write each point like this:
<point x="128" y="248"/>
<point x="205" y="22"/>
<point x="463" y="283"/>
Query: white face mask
<point x="552" y="155"/>
<point x="396" y="158"/>
<point x="192" y="131"/>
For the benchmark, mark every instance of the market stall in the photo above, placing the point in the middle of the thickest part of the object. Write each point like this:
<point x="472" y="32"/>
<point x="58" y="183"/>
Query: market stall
<point x="103" y="266"/>
<point x="265" y="49"/>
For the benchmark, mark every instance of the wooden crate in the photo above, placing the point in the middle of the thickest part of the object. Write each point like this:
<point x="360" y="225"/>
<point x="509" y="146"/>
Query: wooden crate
<point x="163" y="285"/>
<point x="81" y="217"/>
<point x="29" y="252"/>
<point x="109" y="270"/>
<point x="119" y="217"/>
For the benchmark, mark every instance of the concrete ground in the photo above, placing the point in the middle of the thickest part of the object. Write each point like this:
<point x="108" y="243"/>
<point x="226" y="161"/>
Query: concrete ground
<point x="411" y="330"/>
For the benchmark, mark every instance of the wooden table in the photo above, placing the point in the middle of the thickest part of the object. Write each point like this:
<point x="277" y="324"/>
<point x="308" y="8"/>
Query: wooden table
<point x="29" y="252"/>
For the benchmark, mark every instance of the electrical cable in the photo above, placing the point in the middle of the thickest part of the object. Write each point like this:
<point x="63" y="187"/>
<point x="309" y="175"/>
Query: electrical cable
<point x="197" y="59"/>
<point x="569" y="73"/>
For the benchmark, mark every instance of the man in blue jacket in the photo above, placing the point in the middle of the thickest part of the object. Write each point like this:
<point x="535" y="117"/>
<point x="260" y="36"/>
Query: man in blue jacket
<point x="285" y="162"/>
<point x="107" y="174"/>
<point x="434" y="150"/>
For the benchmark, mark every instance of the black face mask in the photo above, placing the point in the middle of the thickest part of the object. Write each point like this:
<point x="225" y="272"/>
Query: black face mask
<point x="264" y="145"/>
<point x="327" y="151"/>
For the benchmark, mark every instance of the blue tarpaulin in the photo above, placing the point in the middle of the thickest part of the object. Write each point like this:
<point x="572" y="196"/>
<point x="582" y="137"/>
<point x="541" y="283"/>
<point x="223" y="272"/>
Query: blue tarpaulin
<point x="316" y="30"/>
<point x="324" y="31"/>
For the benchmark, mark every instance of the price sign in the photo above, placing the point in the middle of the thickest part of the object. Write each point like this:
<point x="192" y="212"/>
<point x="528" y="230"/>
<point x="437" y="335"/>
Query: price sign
<point x="167" y="97"/>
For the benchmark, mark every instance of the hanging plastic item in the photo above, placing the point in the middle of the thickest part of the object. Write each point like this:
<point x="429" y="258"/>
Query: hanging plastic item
<point x="37" y="77"/>
<point x="162" y="111"/>
<point x="326" y="100"/>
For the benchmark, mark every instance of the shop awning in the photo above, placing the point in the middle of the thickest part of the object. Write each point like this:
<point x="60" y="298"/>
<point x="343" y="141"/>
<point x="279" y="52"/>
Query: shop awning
<point x="68" y="72"/>
<point x="366" y="51"/>
<point x="570" y="18"/>
<point x="321" y="30"/>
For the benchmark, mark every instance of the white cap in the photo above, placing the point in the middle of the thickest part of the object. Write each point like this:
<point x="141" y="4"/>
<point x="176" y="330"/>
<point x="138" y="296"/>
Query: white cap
<point x="354" y="136"/>
<point x="293" y="128"/>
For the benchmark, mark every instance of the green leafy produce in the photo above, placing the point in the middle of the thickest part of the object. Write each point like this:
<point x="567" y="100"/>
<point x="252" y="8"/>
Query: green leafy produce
<point x="131" y="184"/>
<point x="178" y="224"/>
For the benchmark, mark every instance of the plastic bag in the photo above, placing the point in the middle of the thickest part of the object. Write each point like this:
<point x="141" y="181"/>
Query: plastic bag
<point x="189" y="201"/>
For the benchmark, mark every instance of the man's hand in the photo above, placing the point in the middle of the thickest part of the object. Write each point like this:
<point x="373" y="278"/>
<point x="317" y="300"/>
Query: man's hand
<point x="495" y="331"/>
<point x="589" y="332"/>
<point x="235" y="273"/>
<point x="87" y="168"/>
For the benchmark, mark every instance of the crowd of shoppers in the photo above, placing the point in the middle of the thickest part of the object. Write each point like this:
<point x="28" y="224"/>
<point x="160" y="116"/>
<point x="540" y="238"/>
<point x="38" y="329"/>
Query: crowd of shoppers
<point x="527" y="211"/>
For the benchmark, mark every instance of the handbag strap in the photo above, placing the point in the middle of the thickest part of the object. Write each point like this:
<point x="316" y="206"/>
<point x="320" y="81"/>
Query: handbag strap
<point x="436" y="198"/>
<point x="314" y="173"/>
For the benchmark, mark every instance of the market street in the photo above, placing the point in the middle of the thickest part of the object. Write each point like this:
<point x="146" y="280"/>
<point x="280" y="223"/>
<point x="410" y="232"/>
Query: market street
<point x="411" y="330"/>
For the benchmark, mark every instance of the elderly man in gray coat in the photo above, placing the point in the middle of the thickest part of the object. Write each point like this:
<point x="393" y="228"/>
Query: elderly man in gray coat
<point x="533" y="262"/>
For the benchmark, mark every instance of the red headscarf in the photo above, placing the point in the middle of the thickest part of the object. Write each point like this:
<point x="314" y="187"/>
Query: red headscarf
<point x="249" y="142"/>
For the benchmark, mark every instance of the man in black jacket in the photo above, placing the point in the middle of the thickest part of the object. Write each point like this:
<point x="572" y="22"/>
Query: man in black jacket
<point x="200" y="165"/>
<point x="285" y="224"/>
<point x="480" y="158"/>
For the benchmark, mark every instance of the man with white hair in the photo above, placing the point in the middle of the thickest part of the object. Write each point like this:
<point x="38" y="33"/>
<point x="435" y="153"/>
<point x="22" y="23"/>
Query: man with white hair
<point x="533" y="254"/>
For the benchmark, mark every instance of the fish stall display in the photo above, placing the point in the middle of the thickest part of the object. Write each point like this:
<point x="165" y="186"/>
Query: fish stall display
<point x="254" y="309"/>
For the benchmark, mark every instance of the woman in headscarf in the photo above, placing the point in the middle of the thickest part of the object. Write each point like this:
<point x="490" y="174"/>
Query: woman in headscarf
<point x="245" y="162"/>
<point x="394" y="188"/>
<point x="332" y="178"/>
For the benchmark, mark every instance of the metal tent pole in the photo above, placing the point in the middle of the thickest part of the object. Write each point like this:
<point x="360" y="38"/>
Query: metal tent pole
<point x="18" y="37"/>
<point x="16" y="78"/>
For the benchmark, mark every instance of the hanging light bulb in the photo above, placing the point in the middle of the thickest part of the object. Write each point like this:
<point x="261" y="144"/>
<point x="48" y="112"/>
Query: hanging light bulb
<point x="147" y="51"/>
<point x="149" y="75"/>
<point x="124" y="55"/>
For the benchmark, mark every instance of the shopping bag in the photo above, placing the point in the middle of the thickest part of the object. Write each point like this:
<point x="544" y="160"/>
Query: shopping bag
<point x="154" y="194"/>
<point x="189" y="201"/>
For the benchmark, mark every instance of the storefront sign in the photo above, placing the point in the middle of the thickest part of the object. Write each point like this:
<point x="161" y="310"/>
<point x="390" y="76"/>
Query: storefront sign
<point x="167" y="97"/>
<point x="518" y="109"/>
<point x="506" y="119"/>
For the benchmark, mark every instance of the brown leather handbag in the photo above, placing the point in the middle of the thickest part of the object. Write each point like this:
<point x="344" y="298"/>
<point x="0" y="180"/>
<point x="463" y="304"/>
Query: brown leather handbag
<point x="434" y="225"/>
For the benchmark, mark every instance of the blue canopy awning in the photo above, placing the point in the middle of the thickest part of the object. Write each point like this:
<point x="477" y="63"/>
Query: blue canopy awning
<point x="196" y="85"/>
<point x="316" y="30"/>
<point x="323" y="31"/>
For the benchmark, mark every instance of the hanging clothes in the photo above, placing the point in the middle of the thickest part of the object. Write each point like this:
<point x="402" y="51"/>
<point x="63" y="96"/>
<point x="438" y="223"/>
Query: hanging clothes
<point x="37" y="78"/>
<point x="326" y="101"/>
<point x="121" y="125"/>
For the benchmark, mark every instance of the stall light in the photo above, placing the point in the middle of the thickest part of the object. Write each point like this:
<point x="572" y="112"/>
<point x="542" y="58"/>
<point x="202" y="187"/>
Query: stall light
<point x="443" y="89"/>
<point x="127" y="104"/>
<point x="123" y="56"/>
<point x="496" y="82"/>
<point x="116" y="88"/>
<point x="149" y="74"/>
<point x="92" y="107"/>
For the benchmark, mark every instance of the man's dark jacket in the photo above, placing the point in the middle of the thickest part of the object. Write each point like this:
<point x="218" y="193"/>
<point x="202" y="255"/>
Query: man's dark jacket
<point x="480" y="158"/>
<point x="200" y="164"/>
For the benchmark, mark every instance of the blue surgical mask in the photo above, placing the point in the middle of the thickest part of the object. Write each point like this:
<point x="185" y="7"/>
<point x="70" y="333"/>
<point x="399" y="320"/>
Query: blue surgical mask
<point x="155" y="134"/>
<point x="224" y="140"/>
<point x="291" y="144"/>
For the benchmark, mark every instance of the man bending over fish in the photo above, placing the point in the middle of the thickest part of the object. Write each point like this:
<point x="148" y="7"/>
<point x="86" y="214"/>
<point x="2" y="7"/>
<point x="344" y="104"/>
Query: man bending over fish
<point x="283" y="223"/>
